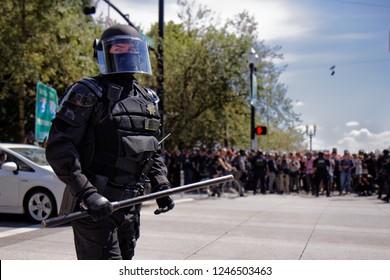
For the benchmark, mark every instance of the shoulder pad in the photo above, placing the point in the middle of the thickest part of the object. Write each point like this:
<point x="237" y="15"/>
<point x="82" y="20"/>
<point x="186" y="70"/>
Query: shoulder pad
<point x="147" y="93"/>
<point x="77" y="104"/>
<point x="80" y="95"/>
<point x="93" y="85"/>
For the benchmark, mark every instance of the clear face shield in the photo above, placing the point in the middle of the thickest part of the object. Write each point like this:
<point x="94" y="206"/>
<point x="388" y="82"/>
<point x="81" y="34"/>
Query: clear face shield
<point x="124" y="54"/>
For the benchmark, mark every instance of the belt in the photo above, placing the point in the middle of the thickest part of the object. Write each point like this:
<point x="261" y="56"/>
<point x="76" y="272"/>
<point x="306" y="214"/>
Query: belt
<point x="117" y="193"/>
<point x="118" y="188"/>
<point x="125" y="180"/>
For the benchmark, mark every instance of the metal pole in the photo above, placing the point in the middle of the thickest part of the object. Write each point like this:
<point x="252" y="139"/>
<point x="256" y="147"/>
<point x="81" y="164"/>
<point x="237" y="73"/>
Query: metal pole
<point x="119" y="12"/>
<point x="251" y="67"/>
<point x="137" y="200"/>
<point x="160" y="62"/>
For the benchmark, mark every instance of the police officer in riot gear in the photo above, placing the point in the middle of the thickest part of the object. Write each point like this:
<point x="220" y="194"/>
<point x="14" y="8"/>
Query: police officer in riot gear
<point x="105" y="129"/>
<point x="321" y="166"/>
<point x="383" y="166"/>
<point x="259" y="164"/>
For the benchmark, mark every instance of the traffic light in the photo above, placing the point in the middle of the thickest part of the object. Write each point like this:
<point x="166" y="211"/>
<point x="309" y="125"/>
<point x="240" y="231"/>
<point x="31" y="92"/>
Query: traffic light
<point x="261" y="130"/>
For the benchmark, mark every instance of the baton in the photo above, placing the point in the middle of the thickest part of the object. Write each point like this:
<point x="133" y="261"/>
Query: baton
<point x="56" y="221"/>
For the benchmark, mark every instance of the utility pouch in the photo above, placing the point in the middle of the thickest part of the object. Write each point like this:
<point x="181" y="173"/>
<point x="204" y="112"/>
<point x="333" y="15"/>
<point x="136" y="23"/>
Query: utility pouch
<point x="138" y="147"/>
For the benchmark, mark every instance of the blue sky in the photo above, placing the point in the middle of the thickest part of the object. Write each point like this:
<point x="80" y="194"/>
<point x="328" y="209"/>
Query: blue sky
<point x="350" y="108"/>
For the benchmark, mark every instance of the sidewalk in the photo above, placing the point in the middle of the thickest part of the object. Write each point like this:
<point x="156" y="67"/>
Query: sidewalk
<point x="255" y="227"/>
<point x="270" y="227"/>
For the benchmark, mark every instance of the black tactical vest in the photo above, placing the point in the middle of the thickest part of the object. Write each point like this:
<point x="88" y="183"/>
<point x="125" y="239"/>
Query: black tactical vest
<point x="321" y="164"/>
<point x="126" y="135"/>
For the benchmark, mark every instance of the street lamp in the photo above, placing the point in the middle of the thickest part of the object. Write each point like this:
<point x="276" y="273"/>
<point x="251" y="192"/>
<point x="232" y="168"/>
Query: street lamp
<point x="253" y="60"/>
<point x="311" y="132"/>
<point x="88" y="10"/>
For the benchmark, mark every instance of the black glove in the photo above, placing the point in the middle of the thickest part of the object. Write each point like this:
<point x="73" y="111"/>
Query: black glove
<point x="164" y="203"/>
<point x="98" y="206"/>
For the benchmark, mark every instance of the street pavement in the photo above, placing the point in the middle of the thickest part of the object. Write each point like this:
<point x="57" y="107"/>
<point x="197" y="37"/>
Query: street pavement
<point x="254" y="227"/>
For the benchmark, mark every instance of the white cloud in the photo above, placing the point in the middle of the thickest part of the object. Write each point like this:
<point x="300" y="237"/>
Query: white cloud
<point x="281" y="19"/>
<point x="352" y="123"/>
<point x="354" y="140"/>
<point x="364" y="139"/>
<point x="318" y="144"/>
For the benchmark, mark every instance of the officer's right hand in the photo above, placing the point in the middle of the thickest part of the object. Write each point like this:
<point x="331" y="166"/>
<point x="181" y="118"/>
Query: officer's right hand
<point x="98" y="206"/>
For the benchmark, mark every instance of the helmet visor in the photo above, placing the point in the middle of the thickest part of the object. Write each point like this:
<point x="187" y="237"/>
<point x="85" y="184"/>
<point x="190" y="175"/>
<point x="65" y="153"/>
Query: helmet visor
<point x="124" y="54"/>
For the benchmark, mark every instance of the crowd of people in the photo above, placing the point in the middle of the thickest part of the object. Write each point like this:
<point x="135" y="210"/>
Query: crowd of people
<point x="313" y="172"/>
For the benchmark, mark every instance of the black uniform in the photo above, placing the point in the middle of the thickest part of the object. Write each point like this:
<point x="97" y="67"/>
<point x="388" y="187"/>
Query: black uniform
<point x="104" y="130"/>
<point x="383" y="167"/>
<point x="321" y="165"/>
<point x="259" y="164"/>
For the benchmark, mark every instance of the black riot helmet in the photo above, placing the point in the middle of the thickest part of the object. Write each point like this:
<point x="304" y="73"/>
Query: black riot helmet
<point x="121" y="50"/>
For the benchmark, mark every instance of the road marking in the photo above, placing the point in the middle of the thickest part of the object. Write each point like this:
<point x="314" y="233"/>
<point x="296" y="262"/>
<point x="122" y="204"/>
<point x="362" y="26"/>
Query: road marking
<point x="175" y="200"/>
<point x="16" y="231"/>
<point x="182" y="200"/>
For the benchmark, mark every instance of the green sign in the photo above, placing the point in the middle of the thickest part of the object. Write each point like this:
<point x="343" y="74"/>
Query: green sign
<point x="149" y="41"/>
<point x="45" y="110"/>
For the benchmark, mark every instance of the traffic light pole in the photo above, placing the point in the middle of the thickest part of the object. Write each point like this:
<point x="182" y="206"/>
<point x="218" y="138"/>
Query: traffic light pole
<point x="252" y="67"/>
<point x="253" y="61"/>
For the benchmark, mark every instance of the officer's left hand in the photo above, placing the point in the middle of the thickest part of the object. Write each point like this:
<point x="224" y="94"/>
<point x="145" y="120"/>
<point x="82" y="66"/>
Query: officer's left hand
<point x="164" y="203"/>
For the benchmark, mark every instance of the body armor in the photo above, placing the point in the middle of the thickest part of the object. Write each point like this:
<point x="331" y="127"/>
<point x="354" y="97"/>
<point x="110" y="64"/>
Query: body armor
<point x="126" y="135"/>
<point x="120" y="133"/>
<point x="121" y="129"/>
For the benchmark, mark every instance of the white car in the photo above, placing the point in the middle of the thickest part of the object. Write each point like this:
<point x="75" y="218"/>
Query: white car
<point x="28" y="185"/>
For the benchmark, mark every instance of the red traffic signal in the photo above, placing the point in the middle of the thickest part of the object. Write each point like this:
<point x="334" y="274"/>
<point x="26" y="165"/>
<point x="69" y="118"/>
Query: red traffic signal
<point x="261" y="130"/>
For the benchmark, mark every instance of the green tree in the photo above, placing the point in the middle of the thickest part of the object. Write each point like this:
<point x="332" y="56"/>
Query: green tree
<point x="41" y="40"/>
<point x="207" y="76"/>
